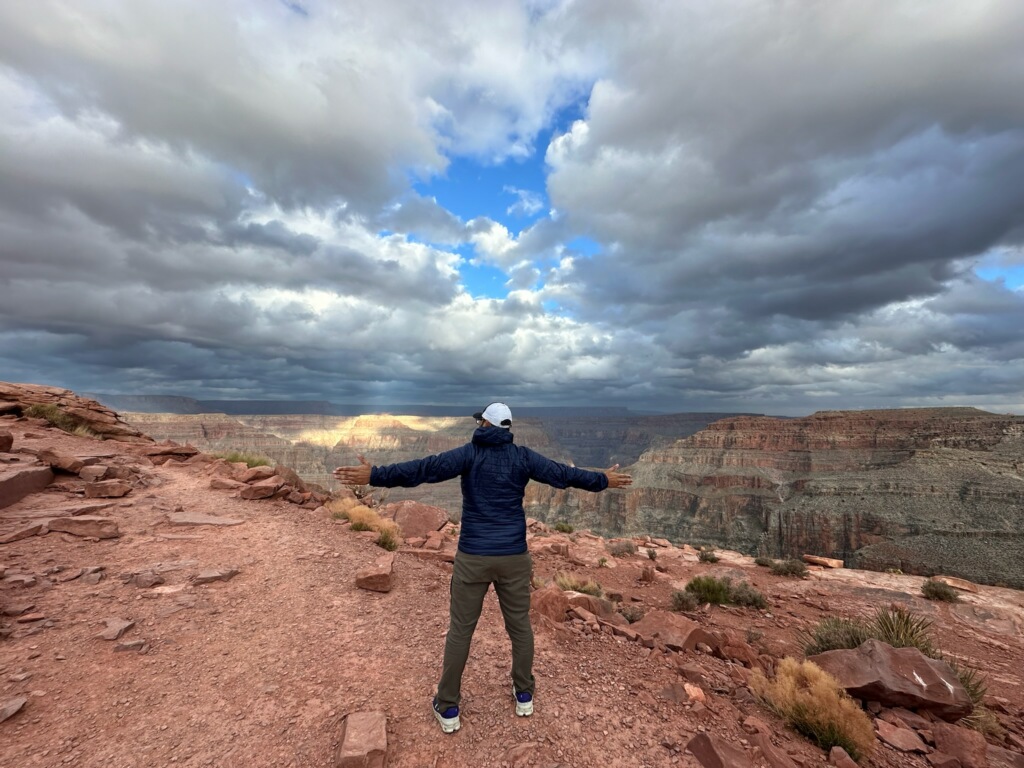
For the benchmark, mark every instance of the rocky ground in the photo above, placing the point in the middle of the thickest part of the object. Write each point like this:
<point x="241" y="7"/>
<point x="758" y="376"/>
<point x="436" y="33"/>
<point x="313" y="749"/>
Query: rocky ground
<point x="261" y="667"/>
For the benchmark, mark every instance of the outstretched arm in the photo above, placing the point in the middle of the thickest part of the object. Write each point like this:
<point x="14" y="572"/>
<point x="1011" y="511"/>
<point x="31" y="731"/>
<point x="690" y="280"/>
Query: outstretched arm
<point x="407" y="474"/>
<point x="544" y="470"/>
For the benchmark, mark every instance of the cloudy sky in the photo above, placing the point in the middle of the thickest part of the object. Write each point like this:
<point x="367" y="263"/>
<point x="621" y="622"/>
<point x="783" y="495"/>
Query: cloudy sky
<point x="763" y="205"/>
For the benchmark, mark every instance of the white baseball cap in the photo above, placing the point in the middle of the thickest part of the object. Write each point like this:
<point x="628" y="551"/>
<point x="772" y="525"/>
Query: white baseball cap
<point x="499" y="414"/>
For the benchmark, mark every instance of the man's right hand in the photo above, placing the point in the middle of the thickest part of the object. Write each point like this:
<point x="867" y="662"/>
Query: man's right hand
<point x="617" y="479"/>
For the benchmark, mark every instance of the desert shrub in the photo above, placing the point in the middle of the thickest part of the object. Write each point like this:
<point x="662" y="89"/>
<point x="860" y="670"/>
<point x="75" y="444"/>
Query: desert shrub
<point x="789" y="568"/>
<point x="971" y="679"/>
<point x="814" y="704"/>
<point x="652" y="555"/>
<point x="569" y="582"/>
<point x="684" y="601"/>
<point x="833" y="633"/>
<point x="602" y="562"/>
<point x="708" y="556"/>
<point x="388" y="535"/>
<point x="745" y="595"/>
<point x="366" y="519"/>
<point x="631" y="612"/>
<point x="563" y="527"/>
<point x="83" y="431"/>
<point x="621" y="547"/>
<point x="933" y="589"/>
<point x="754" y="635"/>
<point x="708" y="589"/>
<point x="250" y="459"/>
<point x="902" y="628"/>
<point x="54" y="416"/>
<point x="764" y="562"/>
<point x="537" y="582"/>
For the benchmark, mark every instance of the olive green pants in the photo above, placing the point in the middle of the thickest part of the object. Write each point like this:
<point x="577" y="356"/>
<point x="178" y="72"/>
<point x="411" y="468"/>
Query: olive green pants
<point x="472" y="575"/>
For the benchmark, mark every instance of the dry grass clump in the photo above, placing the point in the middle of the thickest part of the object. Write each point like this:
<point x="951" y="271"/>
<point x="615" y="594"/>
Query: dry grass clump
<point x="764" y="562"/>
<point x="652" y="554"/>
<point x="814" y="704"/>
<point x="563" y="527"/>
<point x="389" y="535"/>
<point x="631" y="612"/>
<point x="339" y="507"/>
<point x="933" y="589"/>
<point x="789" y="568"/>
<point x="684" y="601"/>
<point x="707" y="556"/>
<point x="249" y="459"/>
<point x="571" y="583"/>
<point x="621" y="547"/>
<point x="832" y="633"/>
<point x="56" y="417"/>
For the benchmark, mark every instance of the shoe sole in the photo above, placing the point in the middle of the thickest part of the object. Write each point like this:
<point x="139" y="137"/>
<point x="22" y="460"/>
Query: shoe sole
<point x="522" y="710"/>
<point x="448" y="724"/>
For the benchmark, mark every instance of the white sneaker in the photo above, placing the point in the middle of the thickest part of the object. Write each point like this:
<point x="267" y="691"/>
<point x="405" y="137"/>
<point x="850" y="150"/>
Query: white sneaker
<point x="524" y="702"/>
<point x="449" y="719"/>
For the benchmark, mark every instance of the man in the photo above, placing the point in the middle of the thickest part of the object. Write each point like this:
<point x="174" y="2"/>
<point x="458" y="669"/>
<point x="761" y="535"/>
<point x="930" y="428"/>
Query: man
<point x="492" y="545"/>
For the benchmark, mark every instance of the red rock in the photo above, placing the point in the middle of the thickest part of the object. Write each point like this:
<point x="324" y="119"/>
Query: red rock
<point x="589" y="603"/>
<point x="445" y="556"/>
<point x="1004" y="758"/>
<point x="550" y="602"/>
<point x="714" y="752"/>
<point x="905" y="718"/>
<point x="215" y="574"/>
<point x="623" y="631"/>
<point x="695" y="692"/>
<point x="902" y="739"/>
<point x="255" y="474"/>
<point x="262" y="489"/>
<point x="18" y="482"/>
<point x="676" y="632"/>
<point x="197" y="518"/>
<point x="59" y="461"/>
<point x="942" y="760"/>
<point x="775" y="757"/>
<point x="24" y="531"/>
<point x="434" y="540"/>
<point x="295" y="497"/>
<point x="6" y="441"/>
<point x="962" y="584"/>
<point x="145" y="579"/>
<point x="86" y="525"/>
<point x="17" y="610"/>
<point x="902" y="677"/>
<point x="965" y="745"/>
<point x="824" y="562"/>
<point x="415" y="519"/>
<point x="379" y="576"/>
<point x="94" y="473"/>
<point x="20" y="580"/>
<point x="115" y="628"/>
<point x="29" y="618"/>
<point x="838" y="757"/>
<point x="12" y="707"/>
<point x="754" y="724"/>
<point x="364" y="741"/>
<point x="226" y="484"/>
<point x="107" y="489"/>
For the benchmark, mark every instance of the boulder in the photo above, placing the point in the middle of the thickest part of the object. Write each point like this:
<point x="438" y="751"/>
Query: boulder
<point x="774" y="756"/>
<point x="379" y="576"/>
<point x="107" y="489"/>
<point x="12" y="707"/>
<point x="115" y="628"/>
<point x="255" y="474"/>
<point x="902" y="739"/>
<point x="590" y="603"/>
<point x="262" y="489"/>
<point x="59" y="461"/>
<point x="86" y="525"/>
<point x="676" y="632"/>
<point x="824" y="562"/>
<point x="839" y="757"/>
<point x="714" y="752"/>
<point x="364" y="741"/>
<point x="18" y="482"/>
<point x="226" y="484"/>
<point x="898" y="677"/>
<point x="965" y="745"/>
<point x="962" y="584"/>
<point x="415" y="519"/>
<point x="6" y="441"/>
<point x="550" y="602"/>
<point x="998" y="757"/>
<point x="94" y="473"/>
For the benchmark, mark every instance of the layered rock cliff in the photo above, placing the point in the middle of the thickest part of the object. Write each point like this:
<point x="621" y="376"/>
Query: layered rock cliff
<point x="920" y="490"/>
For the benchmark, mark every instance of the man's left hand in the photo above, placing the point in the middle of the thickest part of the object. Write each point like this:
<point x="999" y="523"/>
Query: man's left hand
<point x="617" y="479"/>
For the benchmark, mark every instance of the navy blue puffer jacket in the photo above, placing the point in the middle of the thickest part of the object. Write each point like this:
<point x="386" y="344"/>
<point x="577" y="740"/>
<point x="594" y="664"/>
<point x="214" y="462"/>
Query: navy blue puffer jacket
<point x="494" y="473"/>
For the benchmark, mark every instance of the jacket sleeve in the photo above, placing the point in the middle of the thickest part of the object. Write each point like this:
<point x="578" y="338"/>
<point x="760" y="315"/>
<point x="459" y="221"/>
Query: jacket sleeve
<point x="544" y="470"/>
<point x="432" y="469"/>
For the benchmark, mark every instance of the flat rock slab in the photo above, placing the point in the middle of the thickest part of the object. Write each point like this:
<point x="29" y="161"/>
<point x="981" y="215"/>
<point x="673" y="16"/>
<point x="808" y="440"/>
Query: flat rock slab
<point x="211" y="575"/>
<point x="714" y="752"/>
<point x="18" y="482"/>
<point x="107" y="489"/>
<point x="443" y="556"/>
<point x="12" y="707"/>
<point x="197" y="518"/>
<point x="86" y="525"/>
<point x="902" y="739"/>
<point x="364" y="741"/>
<point x="23" y="532"/>
<point x="379" y="577"/>
<point x="115" y="628"/>
<point x="824" y="562"/>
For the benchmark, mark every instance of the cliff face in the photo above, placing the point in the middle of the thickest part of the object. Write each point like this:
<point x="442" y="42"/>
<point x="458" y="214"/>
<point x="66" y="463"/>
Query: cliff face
<point x="921" y="490"/>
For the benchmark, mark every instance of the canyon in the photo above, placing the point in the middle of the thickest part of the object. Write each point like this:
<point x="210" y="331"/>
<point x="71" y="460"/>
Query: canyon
<point x="920" y="491"/>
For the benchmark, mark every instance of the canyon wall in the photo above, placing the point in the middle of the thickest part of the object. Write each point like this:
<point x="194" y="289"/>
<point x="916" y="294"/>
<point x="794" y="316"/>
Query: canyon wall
<point x="920" y="490"/>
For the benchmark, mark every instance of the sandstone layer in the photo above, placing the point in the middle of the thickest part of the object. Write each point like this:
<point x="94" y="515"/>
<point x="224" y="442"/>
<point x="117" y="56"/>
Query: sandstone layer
<point x="919" y="490"/>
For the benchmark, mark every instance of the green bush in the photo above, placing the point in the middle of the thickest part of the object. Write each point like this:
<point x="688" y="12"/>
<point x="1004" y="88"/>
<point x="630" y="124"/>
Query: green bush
<point x="789" y="568"/>
<point x="563" y="527"/>
<point x="388" y="538"/>
<point x="764" y="562"/>
<point x="708" y="589"/>
<point x="652" y="555"/>
<point x="684" y="601"/>
<point x="54" y="416"/>
<point x="745" y="595"/>
<point x="249" y="459"/>
<point x="621" y="547"/>
<point x="833" y="633"/>
<point x="707" y="556"/>
<point x="602" y="562"/>
<point x="902" y="628"/>
<point x="933" y="589"/>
